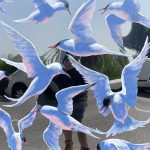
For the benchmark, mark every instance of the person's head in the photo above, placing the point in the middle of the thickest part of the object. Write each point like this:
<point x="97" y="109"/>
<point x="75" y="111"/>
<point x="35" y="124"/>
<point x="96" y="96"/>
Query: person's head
<point x="65" y="61"/>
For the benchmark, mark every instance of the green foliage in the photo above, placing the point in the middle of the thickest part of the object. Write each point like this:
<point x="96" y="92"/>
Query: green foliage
<point x="5" y="67"/>
<point x="109" y="65"/>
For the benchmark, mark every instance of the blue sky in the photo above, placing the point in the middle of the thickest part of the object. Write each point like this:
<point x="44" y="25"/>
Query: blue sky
<point x="43" y="35"/>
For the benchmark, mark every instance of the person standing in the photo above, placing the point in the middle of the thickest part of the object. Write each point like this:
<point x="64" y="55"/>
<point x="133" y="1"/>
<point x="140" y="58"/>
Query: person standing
<point x="79" y="102"/>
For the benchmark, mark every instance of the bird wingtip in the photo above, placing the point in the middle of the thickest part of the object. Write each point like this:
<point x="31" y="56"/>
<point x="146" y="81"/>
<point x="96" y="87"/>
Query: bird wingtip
<point x="11" y="99"/>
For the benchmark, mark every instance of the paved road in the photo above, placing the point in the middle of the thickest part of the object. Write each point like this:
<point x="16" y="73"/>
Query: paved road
<point x="91" y="119"/>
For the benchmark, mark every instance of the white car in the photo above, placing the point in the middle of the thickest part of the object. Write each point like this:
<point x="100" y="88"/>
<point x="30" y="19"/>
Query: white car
<point x="142" y="80"/>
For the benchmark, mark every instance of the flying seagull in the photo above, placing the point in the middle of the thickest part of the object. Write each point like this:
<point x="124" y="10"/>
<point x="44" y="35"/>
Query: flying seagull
<point x="45" y="10"/>
<point x="14" y="139"/>
<point x="121" y="12"/>
<point x="60" y="116"/>
<point x="116" y="103"/>
<point x="33" y="66"/>
<point x="84" y="43"/>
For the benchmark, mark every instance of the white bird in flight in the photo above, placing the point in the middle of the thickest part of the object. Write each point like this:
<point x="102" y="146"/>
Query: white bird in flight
<point x="84" y="43"/>
<point x="60" y="116"/>
<point x="51" y="139"/>
<point x="33" y="66"/>
<point x="122" y="12"/>
<point x="14" y="139"/>
<point x="116" y="103"/>
<point x="118" y="144"/>
<point x="45" y="10"/>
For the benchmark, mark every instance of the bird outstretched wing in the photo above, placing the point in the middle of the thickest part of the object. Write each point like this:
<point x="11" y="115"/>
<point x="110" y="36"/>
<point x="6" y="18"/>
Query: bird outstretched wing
<point x="80" y="25"/>
<point x="27" y="121"/>
<point x="38" y="3"/>
<point x="6" y="124"/>
<point x="101" y="88"/>
<point x="130" y="74"/>
<point x="26" y="49"/>
<point x="114" y="24"/>
<point x="18" y="65"/>
<point x="65" y="96"/>
<point x="128" y="125"/>
<point x="51" y="136"/>
<point x="2" y="74"/>
<point x="132" y="5"/>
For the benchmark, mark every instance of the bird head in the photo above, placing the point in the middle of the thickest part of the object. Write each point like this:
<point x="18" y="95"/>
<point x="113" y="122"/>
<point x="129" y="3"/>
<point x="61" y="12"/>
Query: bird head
<point x="106" y="103"/>
<point x="23" y="138"/>
<point x="67" y="7"/>
<point x="58" y="45"/>
<point x="107" y="7"/>
<point x="58" y="69"/>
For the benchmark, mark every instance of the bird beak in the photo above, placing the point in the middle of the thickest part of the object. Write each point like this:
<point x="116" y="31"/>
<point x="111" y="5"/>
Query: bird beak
<point x="69" y="11"/>
<point x="103" y="109"/>
<point x="36" y="110"/>
<point x="103" y="10"/>
<point x="53" y="46"/>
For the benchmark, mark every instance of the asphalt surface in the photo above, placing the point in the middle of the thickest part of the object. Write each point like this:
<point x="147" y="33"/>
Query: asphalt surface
<point x="91" y="119"/>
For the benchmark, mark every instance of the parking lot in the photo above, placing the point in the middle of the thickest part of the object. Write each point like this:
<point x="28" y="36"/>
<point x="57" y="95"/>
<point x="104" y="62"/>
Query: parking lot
<point x="91" y="119"/>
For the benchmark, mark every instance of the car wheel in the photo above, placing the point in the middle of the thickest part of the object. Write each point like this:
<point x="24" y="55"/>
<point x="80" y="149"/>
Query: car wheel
<point x="18" y="90"/>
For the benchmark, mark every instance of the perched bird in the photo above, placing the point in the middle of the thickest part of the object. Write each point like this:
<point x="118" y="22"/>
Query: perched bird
<point x="121" y="12"/>
<point x="116" y="103"/>
<point x="117" y="144"/>
<point x="60" y="116"/>
<point x="33" y="66"/>
<point x="45" y="9"/>
<point x="14" y="139"/>
<point x="84" y="43"/>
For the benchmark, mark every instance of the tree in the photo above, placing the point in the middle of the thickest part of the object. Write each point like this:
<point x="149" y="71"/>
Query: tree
<point x="136" y="38"/>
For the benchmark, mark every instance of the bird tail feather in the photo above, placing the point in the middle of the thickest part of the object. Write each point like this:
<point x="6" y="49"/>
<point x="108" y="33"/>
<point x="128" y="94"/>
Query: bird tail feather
<point x="24" y="20"/>
<point x="128" y="125"/>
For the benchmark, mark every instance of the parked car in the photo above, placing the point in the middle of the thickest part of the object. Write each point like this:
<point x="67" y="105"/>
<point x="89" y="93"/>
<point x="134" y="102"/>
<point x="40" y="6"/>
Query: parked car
<point x="142" y="80"/>
<point x="20" y="82"/>
<point x="18" y="85"/>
